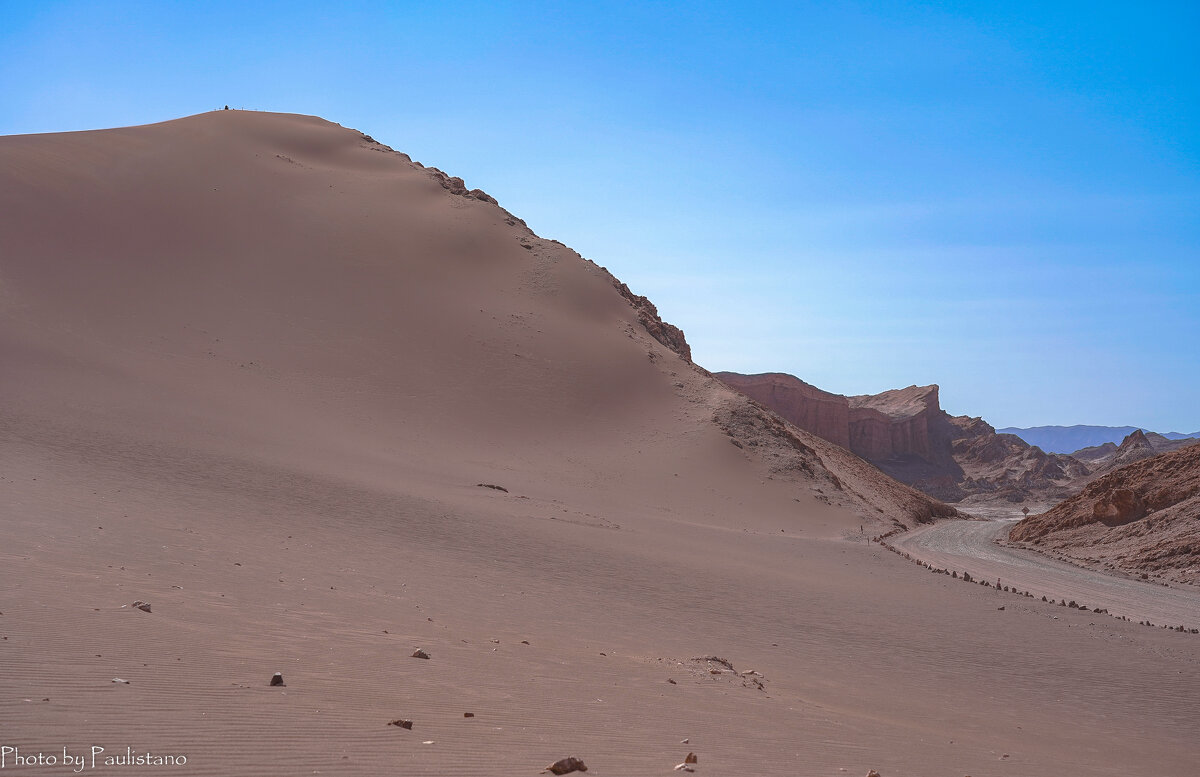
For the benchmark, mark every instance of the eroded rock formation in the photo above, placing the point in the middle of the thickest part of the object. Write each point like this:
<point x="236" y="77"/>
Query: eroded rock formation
<point x="808" y="407"/>
<point x="905" y="433"/>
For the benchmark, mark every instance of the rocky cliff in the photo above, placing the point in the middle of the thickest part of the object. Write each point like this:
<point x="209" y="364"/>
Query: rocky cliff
<point x="898" y="423"/>
<point x="906" y="433"/>
<point x="808" y="407"/>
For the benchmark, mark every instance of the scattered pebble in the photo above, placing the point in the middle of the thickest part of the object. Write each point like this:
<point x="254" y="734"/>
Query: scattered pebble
<point x="419" y="653"/>
<point x="120" y="681"/>
<point x="691" y="759"/>
<point x="277" y="679"/>
<point x="468" y="714"/>
<point x="401" y="723"/>
<point x="143" y="606"/>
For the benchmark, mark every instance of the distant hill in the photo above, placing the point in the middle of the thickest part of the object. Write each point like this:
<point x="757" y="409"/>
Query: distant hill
<point x="1066" y="439"/>
<point x="1138" y="445"/>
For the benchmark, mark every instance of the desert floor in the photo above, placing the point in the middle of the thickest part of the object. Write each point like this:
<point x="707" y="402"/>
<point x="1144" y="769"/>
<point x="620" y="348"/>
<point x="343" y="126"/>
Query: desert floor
<point x="866" y="660"/>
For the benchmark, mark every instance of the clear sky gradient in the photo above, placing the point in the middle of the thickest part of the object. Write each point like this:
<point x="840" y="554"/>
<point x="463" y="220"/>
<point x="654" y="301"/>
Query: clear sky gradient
<point x="1002" y="200"/>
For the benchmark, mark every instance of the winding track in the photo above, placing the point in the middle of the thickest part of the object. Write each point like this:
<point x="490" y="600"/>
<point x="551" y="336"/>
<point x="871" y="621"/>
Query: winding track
<point x="969" y="546"/>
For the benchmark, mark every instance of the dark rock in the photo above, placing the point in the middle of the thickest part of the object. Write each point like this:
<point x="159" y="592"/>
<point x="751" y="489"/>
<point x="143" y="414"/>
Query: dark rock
<point x="419" y="653"/>
<point x="401" y="723"/>
<point x="566" y="766"/>
<point x="277" y="678"/>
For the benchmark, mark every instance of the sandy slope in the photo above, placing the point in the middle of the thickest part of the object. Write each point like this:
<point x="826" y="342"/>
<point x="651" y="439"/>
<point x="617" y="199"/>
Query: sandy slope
<point x="254" y="367"/>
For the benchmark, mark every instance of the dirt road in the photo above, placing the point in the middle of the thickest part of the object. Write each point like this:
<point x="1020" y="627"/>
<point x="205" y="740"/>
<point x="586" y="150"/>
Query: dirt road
<point x="969" y="546"/>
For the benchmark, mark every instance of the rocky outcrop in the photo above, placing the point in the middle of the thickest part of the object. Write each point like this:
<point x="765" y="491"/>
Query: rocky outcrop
<point x="1118" y="507"/>
<point x="456" y="185"/>
<point x="668" y="334"/>
<point x="1133" y="448"/>
<point x="1143" y="518"/>
<point x="808" y="407"/>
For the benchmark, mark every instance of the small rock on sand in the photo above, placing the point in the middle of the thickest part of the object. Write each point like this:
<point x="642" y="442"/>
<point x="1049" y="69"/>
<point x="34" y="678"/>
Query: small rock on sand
<point x="143" y="606"/>
<point x="683" y="768"/>
<point x="566" y="766"/>
<point x="119" y="681"/>
<point x="277" y="678"/>
<point x="401" y="723"/>
<point x="872" y="773"/>
<point x="419" y="653"/>
<point x="468" y="714"/>
<point x="691" y="759"/>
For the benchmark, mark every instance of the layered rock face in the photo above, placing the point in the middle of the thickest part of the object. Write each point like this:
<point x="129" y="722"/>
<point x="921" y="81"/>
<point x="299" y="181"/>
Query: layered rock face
<point x="905" y="433"/>
<point x="808" y="407"/>
<point x="1143" y="517"/>
<point x="897" y="423"/>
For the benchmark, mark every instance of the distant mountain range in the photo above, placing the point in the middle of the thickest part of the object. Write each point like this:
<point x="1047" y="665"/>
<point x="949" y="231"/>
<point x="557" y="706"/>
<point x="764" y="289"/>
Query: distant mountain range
<point x="1068" y="439"/>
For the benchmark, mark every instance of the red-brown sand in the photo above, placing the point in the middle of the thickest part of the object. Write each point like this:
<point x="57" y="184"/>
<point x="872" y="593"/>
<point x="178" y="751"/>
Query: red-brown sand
<point x="253" y="368"/>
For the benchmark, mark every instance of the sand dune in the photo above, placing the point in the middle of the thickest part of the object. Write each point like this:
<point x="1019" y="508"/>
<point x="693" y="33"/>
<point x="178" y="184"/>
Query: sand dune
<point x="255" y="368"/>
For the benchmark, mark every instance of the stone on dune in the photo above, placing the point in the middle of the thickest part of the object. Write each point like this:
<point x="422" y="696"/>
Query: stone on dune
<point x="401" y="723"/>
<point x="566" y="766"/>
<point x="691" y="759"/>
<point x="277" y="678"/>
<point x="419" y="653"/>
<point x="143" y="606"/>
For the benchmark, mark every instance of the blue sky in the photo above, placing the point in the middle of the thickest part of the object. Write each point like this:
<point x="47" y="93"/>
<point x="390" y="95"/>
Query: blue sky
<point x="1002" y="200"/>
